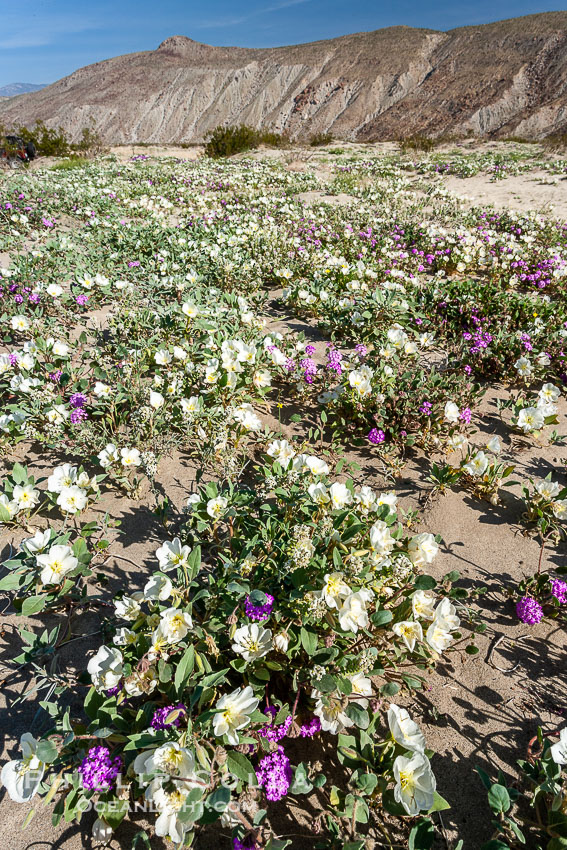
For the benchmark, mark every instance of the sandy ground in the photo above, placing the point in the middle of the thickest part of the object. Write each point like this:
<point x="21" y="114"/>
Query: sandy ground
<point x="477" y="711"/>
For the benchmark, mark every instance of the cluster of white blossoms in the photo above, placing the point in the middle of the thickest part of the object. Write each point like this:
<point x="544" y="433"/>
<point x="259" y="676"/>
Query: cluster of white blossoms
<point x="549" y="490"/>
<point x="533" y="418"/>
<point x="415" y="782"/>
<point x="72" y="488"/>
<point x="113" y="457"/>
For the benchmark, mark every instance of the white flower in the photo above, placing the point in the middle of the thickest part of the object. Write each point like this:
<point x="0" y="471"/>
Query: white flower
<point x="172" y="554"/>
<point x="156" y="400"/>
<point x="60" y="349"/>
<point x="262" y="378"/>
<point x="62" y="476"/>
<point x="332" y="713"/>
<point x="54" y="290"/>
<point x="415" y="783"/>
<point x="559" y="508"/>
<point x="381" y="541"/>
<point x="190" y="310"/>
<point x="335" y="589"/>
<point x="446" y="615"/>
<point x="19" y="323"/>
<point x="191" y="405"/>
<point x="319" y="493"/>
<point x="281" y="451"/>
<point x="216" y="507"/>
<point x="72" y="500"/>
<point x="451" y="412"/>
<point x="56" y="564"/>
<point x="493" y="445"/>
<point x="530" y="419"/>
<point x="105" y="668"/>
<point x="558" y="751"/>
<point x="405" y="730"/>
<point x="233" y="713"/>
<point x="340" y="495"/>
<point x="316" y="466"/>
<point x="352" y="613"/>
<point x="548" y="489"/>
<point x="422" y="549"/>
<point x="162" y="357"/>
<point x="141" y="682"/>
<point x="476" y="465"/>
<point x="22" y="777"/>
<point x="523" y="367"/>
<point x="281" y="641"/>
<point x="422" y="603"/>
<point x="174" y="625"/>
<point x="169" y="759"/>
<point x="244" y="414"/>
<point x="438" y="636"/>
<point x="25" y="496"/>
<point x="101" y="831"/>
<point x="130" y="457"/>
<point x="108" y="456"/>
<point x="158" y="588"/>
<point x="57" y="415"/>
<point x="127" y="608"/>
<point x="252" y="641"/>
<point x="409" y="631"/>
<point x="38" y="542"/>
<point x="102" y="390"/>
<point x="549" y="393"/>
<point x="124" y="637"/>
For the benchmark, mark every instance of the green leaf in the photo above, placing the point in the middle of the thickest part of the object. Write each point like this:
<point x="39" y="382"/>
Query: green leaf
<point x="241" y="767"/>
<point x="184" y="669"/>
<point x="440" y="804"/>
<point x="389" y="689"/>
<point x="219" y="799"/>
<point x="32" y="605"/>
<point x="499" y="799"/>
<point x="301" y="784"/>
<point x="425" y="583"/>
<point x="309" y="640"/>
<point x="422" y="835"/>
<point x="46" y="751"/>
<point x="358" y="715"/>
<point x="380" y="618"/>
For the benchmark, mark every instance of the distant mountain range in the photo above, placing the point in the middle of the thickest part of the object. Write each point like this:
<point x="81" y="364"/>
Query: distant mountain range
<point x="496" y="80"/>
<point x="13" y="89"/>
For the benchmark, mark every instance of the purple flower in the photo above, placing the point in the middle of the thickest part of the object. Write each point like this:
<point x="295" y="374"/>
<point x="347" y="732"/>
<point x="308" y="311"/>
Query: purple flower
<point x="246" y="844"/>
<point x="275" y="733"/>
<point x="466" y="415"/>
<point x="78" y="415"/>
<point x="259" y="612"/>
<point x="274" y="772"/>
<point x="310" y="729"/>
<point x="310" y="349"/>
<point x="98" y="769"/>
<point x="376" y="436"/>
<point x="559" y="590"/>
<point x="159" y="720"/>
<point x="426" y="408"/>
<point x="56" y="376"/>
<point x="361" y="349"/>
<point x="82" y="299"/>
<point x="78" y="400"/>
<point x="529" y="611"/>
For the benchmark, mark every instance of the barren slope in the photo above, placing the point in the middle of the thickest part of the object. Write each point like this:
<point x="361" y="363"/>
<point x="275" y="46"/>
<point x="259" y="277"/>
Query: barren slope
<point x="496" y="79"/>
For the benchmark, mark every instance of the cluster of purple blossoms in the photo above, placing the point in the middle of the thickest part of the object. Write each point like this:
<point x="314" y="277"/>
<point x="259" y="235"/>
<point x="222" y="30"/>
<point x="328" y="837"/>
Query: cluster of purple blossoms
<point x="259" y="612"/>
<point x="247" y="844"/>
<point x="559" y="590"/>
<point x="529" y="611"/>
<point x="309" y="369"/>
<point x="334" y="358"/>
<point x="82" y="299"/>
<point x="276" y="733"/>
<point x="466" y="415"/>
<point x="274" y="772"/>
<point x="309" y="350"/>
<point x="159" y="720"/>
<point x="308" y="730"/>
<point x="426" y="408"/>
<point x="77" y="402"/>
<point x="361" y="349"/>
<point x="376" y="436"/>
<point x="98" y="769"/>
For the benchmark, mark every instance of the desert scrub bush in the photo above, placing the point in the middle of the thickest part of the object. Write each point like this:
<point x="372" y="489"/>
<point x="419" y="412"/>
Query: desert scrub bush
<point x="226" y="141"/>
<point x="320" y="139"/>
<point x="417" y="142"/>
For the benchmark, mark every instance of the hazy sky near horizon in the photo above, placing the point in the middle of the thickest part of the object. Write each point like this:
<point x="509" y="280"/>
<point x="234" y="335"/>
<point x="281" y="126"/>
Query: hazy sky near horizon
<point x="44" y="40"/>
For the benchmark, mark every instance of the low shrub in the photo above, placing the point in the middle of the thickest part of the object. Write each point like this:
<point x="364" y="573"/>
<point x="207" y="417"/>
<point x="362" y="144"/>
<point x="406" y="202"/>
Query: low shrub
<point x="318" y="140"/>
<point x="226" y="141"/>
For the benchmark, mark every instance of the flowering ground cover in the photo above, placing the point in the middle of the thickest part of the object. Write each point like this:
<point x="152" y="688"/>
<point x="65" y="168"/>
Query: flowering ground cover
<point x="283" y="504"/>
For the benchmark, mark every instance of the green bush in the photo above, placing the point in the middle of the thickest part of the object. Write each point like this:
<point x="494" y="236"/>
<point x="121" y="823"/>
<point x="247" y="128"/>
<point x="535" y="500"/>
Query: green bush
<point x="319" y="139"/>
<point x="226" y="141"/>
<point x="417" y="142"/>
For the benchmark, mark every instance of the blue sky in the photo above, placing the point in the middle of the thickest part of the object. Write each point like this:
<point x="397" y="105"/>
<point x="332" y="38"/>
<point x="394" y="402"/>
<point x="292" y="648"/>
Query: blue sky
<point x="43" y="40"/>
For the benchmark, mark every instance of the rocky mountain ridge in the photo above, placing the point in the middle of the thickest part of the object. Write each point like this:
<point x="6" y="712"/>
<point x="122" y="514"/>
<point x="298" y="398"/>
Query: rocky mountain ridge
<point x="496" y="80"/>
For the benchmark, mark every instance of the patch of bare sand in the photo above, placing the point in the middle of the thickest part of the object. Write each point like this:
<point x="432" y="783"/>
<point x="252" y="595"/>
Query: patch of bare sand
<point x="522" y="192"/>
